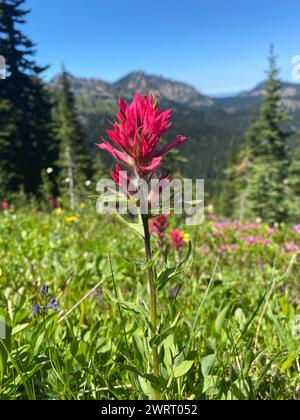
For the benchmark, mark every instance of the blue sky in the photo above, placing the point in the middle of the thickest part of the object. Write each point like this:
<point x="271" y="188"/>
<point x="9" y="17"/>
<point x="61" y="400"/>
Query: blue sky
<point x="219" y="46"/>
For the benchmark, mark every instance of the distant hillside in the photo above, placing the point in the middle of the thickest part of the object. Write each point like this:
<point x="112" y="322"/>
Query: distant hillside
<point x="212" y="124"/>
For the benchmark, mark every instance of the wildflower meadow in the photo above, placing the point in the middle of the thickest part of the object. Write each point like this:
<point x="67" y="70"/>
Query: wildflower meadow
<point x="151" y="309"/>
<point x="228" y="319"/>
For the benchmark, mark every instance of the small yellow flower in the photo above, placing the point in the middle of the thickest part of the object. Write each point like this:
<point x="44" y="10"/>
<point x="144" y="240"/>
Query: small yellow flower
<point x="210" y="208"/>
<point x="72" y="219"/>
<point x="186" y="238"/>
<point x="82" y="205"/>
<point x="58" y="211"/>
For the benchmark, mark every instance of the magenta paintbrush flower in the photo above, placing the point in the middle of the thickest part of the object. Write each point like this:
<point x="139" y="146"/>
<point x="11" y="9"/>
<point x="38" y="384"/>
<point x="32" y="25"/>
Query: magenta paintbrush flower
<point x="136" y="134"/>
<point x="5" y="205"/>
<point x="158" y="227"/>
<point x="177" y="239"/>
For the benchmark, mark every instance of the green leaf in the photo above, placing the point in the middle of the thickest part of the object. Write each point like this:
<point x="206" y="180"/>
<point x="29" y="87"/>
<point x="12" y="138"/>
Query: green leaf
<point x="207" y="363"/>
<point x="126" y="305"/>
<point x="210" y="385"/>
<point x="19" y="328"/>
<point x="169" y="273"/>
<point x="183" y="368"/>
<point x="5" y="343"/>
<point x="288" y="362"/>
<point x="158" y="339"/>
<point x="221" y="319"/>
<point x="136" y="228"/>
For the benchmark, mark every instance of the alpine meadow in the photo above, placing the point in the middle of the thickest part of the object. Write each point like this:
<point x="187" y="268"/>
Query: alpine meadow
<point x="149" y="232"/>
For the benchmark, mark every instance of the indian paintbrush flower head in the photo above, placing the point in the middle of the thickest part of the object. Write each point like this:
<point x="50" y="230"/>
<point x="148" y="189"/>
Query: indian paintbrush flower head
<point x="177" y="239"/>
<point x="158" y="227"/>
<point x="136" y="136"/>
<point x="5" y="205"/>
<point x="54" y="202"/>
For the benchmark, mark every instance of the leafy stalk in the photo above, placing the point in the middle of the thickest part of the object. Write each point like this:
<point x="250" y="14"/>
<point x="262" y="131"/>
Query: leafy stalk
<point x="153" y="300"/>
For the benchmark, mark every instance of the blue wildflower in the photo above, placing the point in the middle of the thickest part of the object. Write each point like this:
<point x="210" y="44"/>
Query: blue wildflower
<point x="44" y="290"/>
<point x="42" y="310"/>
<point x="36" y="310"/>
<point x="54" y="304"/>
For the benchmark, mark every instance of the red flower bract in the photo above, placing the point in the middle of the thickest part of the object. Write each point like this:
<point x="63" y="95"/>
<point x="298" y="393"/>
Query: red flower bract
<point x="177" y="239"/>
<point x="159" y="225"/>
<point x="136" y="133"/>
<point x="5" y="205"/>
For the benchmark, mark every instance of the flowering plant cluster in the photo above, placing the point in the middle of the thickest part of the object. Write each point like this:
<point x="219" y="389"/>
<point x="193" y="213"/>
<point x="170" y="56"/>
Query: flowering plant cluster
<point x="232" y="236"/>
<point x="177" y="238"/>
<point x="47" y="305"/>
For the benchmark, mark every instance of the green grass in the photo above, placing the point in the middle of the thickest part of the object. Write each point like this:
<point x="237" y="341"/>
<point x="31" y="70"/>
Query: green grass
<point x="232" y="331"/>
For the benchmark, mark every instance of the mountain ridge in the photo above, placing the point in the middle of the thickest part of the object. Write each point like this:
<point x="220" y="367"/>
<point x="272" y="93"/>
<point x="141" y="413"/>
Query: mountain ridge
<point x="213" y="125"/>
<point x="169" y="89"/>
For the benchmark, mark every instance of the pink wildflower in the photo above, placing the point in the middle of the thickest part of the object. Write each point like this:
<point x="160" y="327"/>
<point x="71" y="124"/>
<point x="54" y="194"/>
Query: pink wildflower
<point x="136" y="134"/>
<point x="177" y="239"/>
<point x="214" y="217"/>
<point x="158" y="226"/>
<point x="222" y="225"/>
<point x="248" y="226"/>
<point x="228" y="248"/>
<point x="255" y="240"/>
<point x="5" y="205"/>
<point x="297" y="229"/>
<point x="291" y="247"/>
<point x="251" y="240"/>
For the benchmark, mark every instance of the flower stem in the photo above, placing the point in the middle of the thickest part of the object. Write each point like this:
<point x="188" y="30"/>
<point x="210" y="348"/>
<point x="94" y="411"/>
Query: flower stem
<point x="153" y="300"/>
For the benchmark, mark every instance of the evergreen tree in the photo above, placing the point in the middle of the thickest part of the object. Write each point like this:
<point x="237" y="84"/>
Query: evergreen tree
<point x="74" y="163"/>
<point x="269" y="156"/>
<point x="234" y="194"/>
<point x="26" y="140"/>
<point x="294" y="184"/>
<point x="229" y="193"/>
